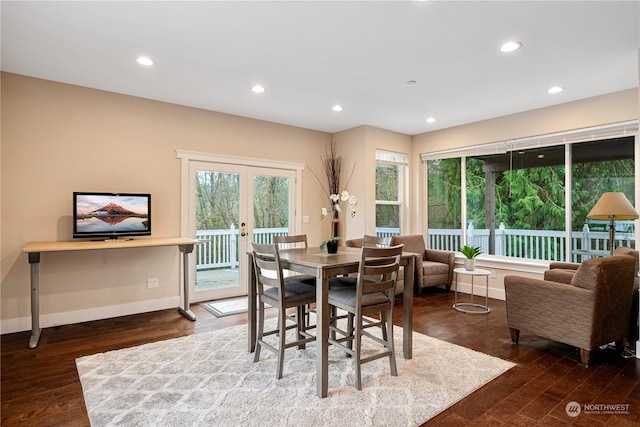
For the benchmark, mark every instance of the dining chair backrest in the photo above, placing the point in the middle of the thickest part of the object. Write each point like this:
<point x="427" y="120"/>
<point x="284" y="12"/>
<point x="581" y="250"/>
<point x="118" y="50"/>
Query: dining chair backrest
<point x="266" y="259"/>
<point x="377" y="241"/>
<point x="290" y="242"/>
<point x="380" y="264"/>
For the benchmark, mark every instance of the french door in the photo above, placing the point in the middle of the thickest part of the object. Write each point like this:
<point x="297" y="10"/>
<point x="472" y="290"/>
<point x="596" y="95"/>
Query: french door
<point x="231" y="205"/>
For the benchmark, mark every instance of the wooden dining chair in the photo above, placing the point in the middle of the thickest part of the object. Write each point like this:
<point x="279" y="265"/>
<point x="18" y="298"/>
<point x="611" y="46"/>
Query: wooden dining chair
<point x="272" y="290"/>
<point x="292" y="242"/>
<point x="370" y="296"/>
<point x="366" y="241"/>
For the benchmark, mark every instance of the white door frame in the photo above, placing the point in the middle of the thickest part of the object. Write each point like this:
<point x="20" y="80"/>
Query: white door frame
<point x="188" y="157"/>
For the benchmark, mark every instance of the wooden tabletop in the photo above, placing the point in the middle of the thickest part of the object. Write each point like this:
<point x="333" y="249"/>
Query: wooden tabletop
<point x="82" y="245"/>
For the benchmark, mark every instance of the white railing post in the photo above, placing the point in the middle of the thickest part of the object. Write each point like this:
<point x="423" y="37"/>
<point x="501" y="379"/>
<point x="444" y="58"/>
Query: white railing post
<point x="470" y="229"/>
<point x="501" y="237"/>
<point x="233" y="249"/>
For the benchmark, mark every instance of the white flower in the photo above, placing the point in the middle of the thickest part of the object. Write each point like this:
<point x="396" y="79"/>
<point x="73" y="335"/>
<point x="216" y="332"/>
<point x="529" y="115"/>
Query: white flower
<point x="344" y="196"/>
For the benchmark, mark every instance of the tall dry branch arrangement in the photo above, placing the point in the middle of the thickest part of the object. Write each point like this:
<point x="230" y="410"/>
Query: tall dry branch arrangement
<point x="332" y="164"/>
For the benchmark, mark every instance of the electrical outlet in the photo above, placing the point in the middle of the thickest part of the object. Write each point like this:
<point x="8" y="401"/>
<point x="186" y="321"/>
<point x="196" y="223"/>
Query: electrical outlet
<point x="152" y="283"/>
<point x="493" y="274"/>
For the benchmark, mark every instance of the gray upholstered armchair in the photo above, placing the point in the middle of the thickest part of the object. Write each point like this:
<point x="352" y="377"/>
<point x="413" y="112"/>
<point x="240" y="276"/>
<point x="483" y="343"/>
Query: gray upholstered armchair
<point x="563" y="272"/>
<point x="590" y="311"/>
<point x="433" y="267"/>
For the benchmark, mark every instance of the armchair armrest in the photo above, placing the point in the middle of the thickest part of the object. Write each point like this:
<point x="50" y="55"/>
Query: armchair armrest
<point x="445" y="257"/>
<point x="564" y="265"/>
<point x="559" y="275"/>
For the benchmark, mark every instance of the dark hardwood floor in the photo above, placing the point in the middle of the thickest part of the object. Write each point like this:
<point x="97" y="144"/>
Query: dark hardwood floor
<point x="40" y="387"/>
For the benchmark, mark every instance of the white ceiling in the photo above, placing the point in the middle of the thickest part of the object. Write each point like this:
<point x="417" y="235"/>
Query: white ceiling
<point x="312" y="55"/>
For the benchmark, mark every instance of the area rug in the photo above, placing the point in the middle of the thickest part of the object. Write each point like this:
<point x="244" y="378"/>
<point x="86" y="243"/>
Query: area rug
<point x="209" y="379"/>
<point x="226" y="307"/>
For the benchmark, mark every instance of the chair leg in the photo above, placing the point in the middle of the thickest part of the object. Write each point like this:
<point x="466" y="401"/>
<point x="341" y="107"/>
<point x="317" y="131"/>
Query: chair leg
<point x="301" y="325"/>
<point x="358" y="338"/>
<point x="585" y="357"/>
<point x="392" y="355"/>
<point x="619" y="346"/>
<point x="350" y="332"/>
<point x="383" y="320"/>
<point x="256" y="355"/>
<point x="515" y="335"/>
<point x="282" y="335"/>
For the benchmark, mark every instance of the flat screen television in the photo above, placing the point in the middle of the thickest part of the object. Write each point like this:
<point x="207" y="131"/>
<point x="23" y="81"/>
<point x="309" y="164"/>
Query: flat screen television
<point x="111" y="215"/>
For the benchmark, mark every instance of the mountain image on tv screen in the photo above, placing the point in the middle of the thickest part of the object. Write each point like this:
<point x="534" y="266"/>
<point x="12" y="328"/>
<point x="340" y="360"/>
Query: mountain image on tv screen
<point x="111" y="213"/>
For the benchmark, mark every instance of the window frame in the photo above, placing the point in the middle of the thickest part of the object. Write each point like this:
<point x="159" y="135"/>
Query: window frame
<point x="566" y="139"/>
<point x="402" y="161"/>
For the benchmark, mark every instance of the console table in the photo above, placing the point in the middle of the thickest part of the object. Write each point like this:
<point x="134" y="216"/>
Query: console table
<point x="34" y="249"/>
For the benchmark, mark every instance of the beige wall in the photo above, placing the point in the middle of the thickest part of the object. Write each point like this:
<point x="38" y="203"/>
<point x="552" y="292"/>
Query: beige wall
<point x="358" y="146"/>
<point x="599" y="110"/>
<point x="59" y="138"/>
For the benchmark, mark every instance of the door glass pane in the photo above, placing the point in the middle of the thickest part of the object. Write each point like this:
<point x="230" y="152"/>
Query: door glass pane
<point x="217" y="218"/>
<point x="270" y="207"/>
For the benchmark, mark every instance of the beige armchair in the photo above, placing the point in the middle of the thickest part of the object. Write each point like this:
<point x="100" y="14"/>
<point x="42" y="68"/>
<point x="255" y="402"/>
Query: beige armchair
<point x="433" y="267"/>
<point x="590" y="311"/>
<point x="563" y="272"/>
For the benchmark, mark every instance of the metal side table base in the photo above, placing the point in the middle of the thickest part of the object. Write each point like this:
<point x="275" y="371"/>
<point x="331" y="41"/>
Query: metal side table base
<point x="471" y="307"/>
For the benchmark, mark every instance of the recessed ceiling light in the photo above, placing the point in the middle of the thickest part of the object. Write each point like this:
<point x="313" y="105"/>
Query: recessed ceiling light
<point x="556" y="89"/>
<point x="258" y="89"/>
<point x="337" y="108"/>
<point x="431" y="119"/>
<point x="411" y="82"/>
<point x="510" y="47"/>
<point x="143" y="60"/>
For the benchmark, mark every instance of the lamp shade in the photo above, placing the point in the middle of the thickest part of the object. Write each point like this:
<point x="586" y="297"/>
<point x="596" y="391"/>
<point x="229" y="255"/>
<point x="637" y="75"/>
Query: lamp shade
<point x="614" y="204"/>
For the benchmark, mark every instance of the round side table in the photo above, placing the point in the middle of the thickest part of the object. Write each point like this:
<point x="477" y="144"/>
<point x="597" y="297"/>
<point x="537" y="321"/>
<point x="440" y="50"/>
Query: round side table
<point x="471" y="307"/>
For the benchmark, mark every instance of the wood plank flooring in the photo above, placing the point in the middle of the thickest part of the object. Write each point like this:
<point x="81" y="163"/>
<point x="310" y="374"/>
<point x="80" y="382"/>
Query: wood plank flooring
<point x="40" y="387"/>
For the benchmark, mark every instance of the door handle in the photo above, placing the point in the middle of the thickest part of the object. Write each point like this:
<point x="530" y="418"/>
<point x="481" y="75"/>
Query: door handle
<point x="243" y="229"/>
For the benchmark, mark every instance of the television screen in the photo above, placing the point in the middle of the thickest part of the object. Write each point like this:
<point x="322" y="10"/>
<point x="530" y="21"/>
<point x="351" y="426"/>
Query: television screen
<point x="111" y="215"/>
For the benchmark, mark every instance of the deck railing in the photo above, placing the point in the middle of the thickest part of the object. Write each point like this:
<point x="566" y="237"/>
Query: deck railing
<point x="220" y="248"/>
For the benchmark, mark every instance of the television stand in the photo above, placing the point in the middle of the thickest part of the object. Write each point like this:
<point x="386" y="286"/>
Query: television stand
<point x="34" y="249"/>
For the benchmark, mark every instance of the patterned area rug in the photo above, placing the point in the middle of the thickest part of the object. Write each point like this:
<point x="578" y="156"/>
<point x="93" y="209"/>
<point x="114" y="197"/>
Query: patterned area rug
<point x="226" y="307"/>
<point x="209" y="379"/>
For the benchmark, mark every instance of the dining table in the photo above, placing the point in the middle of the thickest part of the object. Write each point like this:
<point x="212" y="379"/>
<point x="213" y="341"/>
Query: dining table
<point x="323" y="265"/>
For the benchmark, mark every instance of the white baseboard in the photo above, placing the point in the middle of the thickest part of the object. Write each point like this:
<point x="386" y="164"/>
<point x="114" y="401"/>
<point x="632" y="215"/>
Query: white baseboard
<point x="479" y="290"/>
<point x="20" y="324"/>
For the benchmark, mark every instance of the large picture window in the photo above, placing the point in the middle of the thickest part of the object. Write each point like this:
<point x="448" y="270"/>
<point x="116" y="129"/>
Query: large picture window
<point x="529" y="199"/>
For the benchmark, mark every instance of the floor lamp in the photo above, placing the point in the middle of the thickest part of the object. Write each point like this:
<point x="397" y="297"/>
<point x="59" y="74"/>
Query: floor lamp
<point x="613" y="206"/>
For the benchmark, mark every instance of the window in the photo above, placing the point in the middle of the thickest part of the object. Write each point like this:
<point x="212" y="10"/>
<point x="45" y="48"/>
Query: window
<point x="515" y="203"/>
<point x="445" y="212"/>
<point x="391" y="185"/>
<point x="513" y="197"/>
